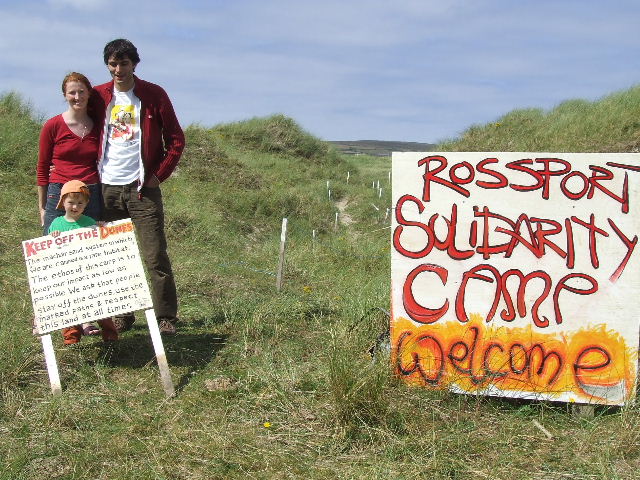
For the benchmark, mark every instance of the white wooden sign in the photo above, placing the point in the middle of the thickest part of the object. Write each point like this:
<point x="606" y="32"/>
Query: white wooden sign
<point x="84" y="275"/>
<point x="89" y="274"/>
<point x="516" y="274"/>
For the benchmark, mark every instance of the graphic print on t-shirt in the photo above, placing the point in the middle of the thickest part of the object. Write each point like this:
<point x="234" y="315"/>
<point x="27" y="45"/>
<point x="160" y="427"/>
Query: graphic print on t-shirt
<point x="123" y="123"/>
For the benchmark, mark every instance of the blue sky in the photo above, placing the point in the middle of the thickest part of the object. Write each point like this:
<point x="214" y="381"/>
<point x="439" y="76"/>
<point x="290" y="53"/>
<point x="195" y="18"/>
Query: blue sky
<point x="414" y="70"/>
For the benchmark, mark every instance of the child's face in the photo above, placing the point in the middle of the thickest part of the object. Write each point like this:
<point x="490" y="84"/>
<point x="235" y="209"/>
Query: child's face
<point x="74" y="204"/>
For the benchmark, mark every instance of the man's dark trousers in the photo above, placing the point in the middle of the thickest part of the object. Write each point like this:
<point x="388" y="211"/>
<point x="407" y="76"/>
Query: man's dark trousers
<point x="146" y="211"/>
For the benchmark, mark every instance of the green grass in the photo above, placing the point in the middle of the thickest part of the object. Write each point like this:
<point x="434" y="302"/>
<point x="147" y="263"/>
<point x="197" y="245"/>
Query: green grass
<point x="610" y="124"/>
<point x="269" y="385"/>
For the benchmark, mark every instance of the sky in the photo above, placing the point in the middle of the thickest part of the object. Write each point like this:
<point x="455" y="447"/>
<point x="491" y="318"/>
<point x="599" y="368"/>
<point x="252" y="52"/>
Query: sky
<point x="404" y="70"/>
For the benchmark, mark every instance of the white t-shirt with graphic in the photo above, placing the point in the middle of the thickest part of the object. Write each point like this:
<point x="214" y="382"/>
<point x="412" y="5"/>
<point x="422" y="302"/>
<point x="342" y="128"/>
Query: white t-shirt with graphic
<point x="122" y="162"/>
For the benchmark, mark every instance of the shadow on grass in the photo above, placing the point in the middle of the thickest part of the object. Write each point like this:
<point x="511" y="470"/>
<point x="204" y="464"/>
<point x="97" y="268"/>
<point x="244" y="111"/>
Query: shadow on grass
<point x="188" y="349"/>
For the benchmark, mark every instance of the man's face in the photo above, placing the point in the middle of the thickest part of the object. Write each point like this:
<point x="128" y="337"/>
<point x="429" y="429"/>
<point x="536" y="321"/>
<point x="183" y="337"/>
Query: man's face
<point x="121" y="69"/>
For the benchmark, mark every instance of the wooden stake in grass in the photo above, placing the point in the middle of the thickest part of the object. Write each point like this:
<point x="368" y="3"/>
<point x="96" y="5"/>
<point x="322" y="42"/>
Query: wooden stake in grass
<point x="52" y="365"/>
<point x="161" y="357"/>
<point x="348" y="175"/>
<point x="542" y="429"/>
<point x="335" y="223"/>
<point x="283" y="240"/>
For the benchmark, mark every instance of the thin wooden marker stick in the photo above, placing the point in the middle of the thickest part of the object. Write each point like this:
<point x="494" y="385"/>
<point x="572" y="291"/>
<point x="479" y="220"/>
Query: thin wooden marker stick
<point x="348" y="175"/>
<point x="283" y="240"/>
<point x="52" y="366"/>
<point x="327" y="184"/>
<point x="386" y="215"/>
<point x="335" y="225"/>
<point x="389" y="177"/>
<point x="329" y="194"/>
<point x="542" y="429"/>
<point x="161" y="357"/>
<point x="380" y="193"/>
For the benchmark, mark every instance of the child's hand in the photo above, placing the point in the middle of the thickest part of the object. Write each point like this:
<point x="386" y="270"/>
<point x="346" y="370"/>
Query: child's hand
<point x="55" y="233"/>
<point x="101" y="223"/>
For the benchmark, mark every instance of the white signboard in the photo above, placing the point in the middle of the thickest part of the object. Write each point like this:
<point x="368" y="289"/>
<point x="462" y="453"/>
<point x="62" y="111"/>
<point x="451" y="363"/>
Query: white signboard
<point x="516" y="274"/>
<point x="85" y="275"/>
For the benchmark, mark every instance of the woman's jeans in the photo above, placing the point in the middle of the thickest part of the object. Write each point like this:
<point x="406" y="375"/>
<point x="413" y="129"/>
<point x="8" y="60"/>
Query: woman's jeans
<point x="93" y="210"/>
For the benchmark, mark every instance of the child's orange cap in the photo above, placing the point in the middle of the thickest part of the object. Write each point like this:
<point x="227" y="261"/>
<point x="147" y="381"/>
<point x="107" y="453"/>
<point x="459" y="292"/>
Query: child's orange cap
<point x="73" y="186"/>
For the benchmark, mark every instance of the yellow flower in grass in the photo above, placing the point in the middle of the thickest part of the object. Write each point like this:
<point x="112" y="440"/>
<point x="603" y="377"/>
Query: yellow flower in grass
<point x="267" y="424"/>
<point x="306" y="289"/>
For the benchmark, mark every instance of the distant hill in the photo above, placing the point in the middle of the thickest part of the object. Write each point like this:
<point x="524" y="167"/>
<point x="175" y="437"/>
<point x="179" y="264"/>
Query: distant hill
<point x="379" y="148"/>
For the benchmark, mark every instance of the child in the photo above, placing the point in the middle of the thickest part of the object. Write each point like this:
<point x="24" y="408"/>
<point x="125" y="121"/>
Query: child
<point x="74" y="197"/>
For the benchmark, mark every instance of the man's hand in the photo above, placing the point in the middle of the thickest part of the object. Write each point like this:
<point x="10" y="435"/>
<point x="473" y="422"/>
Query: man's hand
<point x="153" y="182"/>
<point x="55" y="233"/>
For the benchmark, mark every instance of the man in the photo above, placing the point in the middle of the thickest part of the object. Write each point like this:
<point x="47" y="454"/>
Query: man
<point x="141" y="145"/>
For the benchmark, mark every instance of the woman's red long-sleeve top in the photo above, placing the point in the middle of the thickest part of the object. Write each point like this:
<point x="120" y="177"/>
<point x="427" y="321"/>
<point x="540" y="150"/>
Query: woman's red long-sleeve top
<point x="73" y="157"/>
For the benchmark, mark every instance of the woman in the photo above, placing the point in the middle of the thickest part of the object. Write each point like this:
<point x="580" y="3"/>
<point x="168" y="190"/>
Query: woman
<point x="69" y="151"/>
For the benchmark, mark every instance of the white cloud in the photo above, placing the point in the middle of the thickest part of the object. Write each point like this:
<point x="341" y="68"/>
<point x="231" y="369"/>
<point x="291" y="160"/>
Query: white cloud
<point x="411" y="70"/>
<point x="79" y="4"/>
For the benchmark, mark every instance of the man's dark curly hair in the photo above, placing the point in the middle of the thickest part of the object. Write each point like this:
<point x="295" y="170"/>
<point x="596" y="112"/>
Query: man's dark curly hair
<point x="121" y="48"/>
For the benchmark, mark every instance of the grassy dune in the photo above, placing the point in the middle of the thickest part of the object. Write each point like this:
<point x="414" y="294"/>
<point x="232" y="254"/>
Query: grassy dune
<point x="611" y="124"/>
<point x="277" y="385"/>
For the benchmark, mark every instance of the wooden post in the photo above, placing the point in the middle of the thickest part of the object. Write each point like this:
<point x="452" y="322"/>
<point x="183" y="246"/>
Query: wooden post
<point x="335" y="224"/>
<point x="313" y="239"/>
<point x="348" y="175"/>
<point x="389" y="177"/>
<point x="283" y="239"/>
<point x="377" y="212"/>
<point x="52" y="366"/>
<point x="329" y="194"/>
<point x="161" y="358"/>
